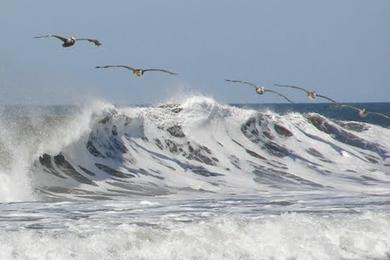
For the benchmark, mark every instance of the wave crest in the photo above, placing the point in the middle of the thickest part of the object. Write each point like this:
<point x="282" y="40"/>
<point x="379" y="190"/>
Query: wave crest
<point x="199" y="145"/>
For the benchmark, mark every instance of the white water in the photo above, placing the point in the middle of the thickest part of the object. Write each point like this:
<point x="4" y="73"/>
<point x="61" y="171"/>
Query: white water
<point x="279" y="237"/>
<point x="15" y="162"/>
<point x="28" y="133"/>
<point x="212" y="148"/>
<point x="221" y="183"/>
<point x="190" y="230"/>
<point x="240" y="149"/>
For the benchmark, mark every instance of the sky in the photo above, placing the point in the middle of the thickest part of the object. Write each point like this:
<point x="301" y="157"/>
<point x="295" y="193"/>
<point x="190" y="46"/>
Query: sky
<point x="338" y="48"/>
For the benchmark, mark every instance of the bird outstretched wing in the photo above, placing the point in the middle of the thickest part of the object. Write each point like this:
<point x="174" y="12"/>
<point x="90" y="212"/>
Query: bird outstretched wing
<point x="162" y="70"/>
<point x="380" y="114"/>
<point x="291" y="86"/>
<point x="351" y="107"/>
<point x="280" y="94"/>
<point x="51" y="35"/>
<point x="327" y="98"/>
<point x="115" y="66"/>
<point x="241" y="81"/>
<point x="369" y="112"/>
<point x="96" y="42"/>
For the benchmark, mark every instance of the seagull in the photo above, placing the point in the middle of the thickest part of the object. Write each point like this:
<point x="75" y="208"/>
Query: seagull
<point x="311" y="94"/>
<point x="364" y="113"/>
<point x="69" y="41"/>
<point x="136" y="72"/>
<point x="259" y="90"/>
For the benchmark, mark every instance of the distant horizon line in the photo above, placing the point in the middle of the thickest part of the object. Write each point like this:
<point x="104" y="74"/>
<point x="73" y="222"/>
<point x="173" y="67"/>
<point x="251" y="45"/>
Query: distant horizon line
<point x="233" y="104"/>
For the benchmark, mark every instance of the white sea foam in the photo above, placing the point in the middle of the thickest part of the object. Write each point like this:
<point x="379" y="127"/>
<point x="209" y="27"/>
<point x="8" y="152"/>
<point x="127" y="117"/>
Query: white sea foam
<point x="193" y="180"/>
<point x="202" y="146"/>
<point x="287" y="236"/>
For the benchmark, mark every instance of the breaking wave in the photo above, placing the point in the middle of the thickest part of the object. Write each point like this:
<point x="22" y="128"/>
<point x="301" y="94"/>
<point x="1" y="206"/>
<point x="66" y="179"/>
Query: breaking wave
<point x="194" y="146"/>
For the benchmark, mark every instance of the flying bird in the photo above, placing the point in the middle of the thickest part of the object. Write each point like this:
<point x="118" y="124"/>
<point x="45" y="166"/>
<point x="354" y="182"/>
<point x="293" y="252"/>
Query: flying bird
<point x="259" y="90"/>
<point x="311" y="94"/>
<point x="363" y="112"/>
<point x="136" y="71"/>
<point x="69" y="41"/>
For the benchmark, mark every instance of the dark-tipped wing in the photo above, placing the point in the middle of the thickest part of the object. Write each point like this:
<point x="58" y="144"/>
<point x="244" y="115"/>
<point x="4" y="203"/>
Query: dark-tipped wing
<point x="327" y="98"/>
<point x="380" y="114"/>
<point x="96" y="42"/>
<point x="351" y="107"/>
<point x="115" y="66"/>
<point x="52" y="35"/>
<point x="291" y="86"/>
<point x="241" y="81"/>
<point x="280" y="94"/>
<point x="162" y="70"/>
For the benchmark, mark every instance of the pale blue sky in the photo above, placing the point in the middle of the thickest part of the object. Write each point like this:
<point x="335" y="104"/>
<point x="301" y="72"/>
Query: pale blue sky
<point x="340" y="48"/>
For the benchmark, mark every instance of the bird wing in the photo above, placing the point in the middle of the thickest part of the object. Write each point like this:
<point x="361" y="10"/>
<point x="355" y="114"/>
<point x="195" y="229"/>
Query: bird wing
<point x="52" y="35"/>
<point x="277" y="93"/>
<point x="321" y="96"/>
<point x="291" y="86"/>
<point x="380" y="114"/>
<point x="96" y="42"/>
<point x="241" y="81"/>
<point x="115" y="66"/>
<point x="352" y="107"/>
<point x="162" y="70"/>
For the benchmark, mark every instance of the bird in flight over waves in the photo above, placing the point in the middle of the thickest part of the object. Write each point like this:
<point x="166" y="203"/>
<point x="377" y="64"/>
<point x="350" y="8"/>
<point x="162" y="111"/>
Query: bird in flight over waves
<point x="363" y="112"/>
<point x="136" y="71"/>
<point x="259" y="90"/>
<point x="311" y="94"/>
<point x="69" y="41"/>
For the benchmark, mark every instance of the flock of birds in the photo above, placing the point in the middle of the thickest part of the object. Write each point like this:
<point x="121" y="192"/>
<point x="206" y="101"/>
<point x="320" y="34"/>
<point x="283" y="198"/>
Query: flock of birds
<point x="311" y="94"/>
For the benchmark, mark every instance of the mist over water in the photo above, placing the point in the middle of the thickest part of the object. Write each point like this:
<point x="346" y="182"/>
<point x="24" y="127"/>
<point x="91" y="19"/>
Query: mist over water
<point x="28" y="131"/>
<point x="246" y="182"/>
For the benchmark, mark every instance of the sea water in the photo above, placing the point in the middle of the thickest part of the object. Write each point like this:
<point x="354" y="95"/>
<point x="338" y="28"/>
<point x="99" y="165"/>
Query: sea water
<point x="195" y="179"/>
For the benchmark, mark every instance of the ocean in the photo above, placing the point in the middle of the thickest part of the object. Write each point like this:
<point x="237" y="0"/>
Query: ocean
<point x="195" y="179"/>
